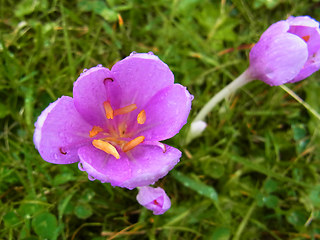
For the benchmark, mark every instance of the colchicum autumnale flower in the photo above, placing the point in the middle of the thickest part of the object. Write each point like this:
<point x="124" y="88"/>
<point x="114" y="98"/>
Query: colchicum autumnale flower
<point x="115" y="121"/>
<point x="154" y="199"/>
<point x="287" y="52"/>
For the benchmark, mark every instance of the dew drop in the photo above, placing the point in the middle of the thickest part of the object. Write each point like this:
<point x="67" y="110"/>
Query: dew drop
<point x="150" y="53"/>
<point x="99" y="65"/>
<point x="91" y="178"/>
<point x="80" y="166"/>
<point x="84" y="70"/>
<point x="134" y="52"/>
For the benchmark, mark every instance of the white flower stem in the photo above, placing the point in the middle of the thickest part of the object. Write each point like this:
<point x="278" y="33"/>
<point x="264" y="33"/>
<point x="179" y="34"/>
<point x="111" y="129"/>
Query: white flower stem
<point x="243" y="79"/>
<point x="240" y="81"/>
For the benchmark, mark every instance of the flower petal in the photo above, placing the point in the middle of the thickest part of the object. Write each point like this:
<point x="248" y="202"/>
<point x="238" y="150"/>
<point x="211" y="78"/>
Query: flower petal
<point x="275" y="29"/>
<point x="103" y="166"/>
<point x="60" y="131"/>
<point x="279" y="59"/>
<point x="166" y="113"/>
<point x="302" y="21"/>
<point x="90" y="91"/>
<point x="141" y="76"/>
<point x="149" y="163"/>
<point x="311" y="66"/>
<point x="312" y="34"/>
<point x="144" y="165"/>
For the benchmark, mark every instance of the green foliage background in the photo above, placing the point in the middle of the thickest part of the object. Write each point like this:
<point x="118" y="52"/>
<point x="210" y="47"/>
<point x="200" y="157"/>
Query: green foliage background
<point x="254" y="174"/>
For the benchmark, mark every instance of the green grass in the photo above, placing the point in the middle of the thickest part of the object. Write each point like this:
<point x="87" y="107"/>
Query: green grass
<point x="254" y="174"/>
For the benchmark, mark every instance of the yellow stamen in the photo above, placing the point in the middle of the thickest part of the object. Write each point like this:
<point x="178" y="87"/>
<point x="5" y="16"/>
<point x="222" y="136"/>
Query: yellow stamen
<point x="94" y="131"/>
<point x="306" y="38"/>
<point x="125" y="109"/>
<point x="106" y="147"/>
<point x="108" y="109"/>
<point x="133" y="143"/>
<point x="141" y="117"/>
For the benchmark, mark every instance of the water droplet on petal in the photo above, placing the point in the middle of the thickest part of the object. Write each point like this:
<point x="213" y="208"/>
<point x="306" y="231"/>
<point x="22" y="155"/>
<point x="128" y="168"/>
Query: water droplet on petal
<point x="134" y="52"/>
<point x="150" y="53"/>
<point x="80" y="166"/>
<point x="84" y="70"/>
<point x="99" y="65"/>
<point x="91" y="178"/>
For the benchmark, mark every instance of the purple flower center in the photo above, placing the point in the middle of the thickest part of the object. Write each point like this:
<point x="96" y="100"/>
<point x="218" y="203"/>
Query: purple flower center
<point x="117" y="134"/>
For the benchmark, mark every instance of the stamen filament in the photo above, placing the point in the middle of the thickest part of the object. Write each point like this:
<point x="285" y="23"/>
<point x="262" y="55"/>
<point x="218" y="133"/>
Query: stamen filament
<point x="125" y="109"/>
<point x="94" y="131"/>
<point x="133" y="143"/>
<point x="106" y="147"/>
<point x="113" y="139"/>
<point x="122" y="129"/>
<point x="141" y="118"/>
<point x="108" y="109"/>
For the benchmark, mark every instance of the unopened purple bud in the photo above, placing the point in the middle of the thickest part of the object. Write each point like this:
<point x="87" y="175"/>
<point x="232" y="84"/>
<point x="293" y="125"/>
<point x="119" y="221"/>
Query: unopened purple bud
<point x="154" y="199"/>
<point x="288" y="51"/>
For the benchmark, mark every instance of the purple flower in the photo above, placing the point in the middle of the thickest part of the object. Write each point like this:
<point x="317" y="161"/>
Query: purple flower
<point x="288" y="51"/>
<point x="154" y="199"/>
<point x="115" y="121"/>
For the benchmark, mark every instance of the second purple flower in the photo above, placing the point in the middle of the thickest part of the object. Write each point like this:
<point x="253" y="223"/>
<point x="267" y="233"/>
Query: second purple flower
<point x="115" y="121"/>
<point x="288" y="51"/>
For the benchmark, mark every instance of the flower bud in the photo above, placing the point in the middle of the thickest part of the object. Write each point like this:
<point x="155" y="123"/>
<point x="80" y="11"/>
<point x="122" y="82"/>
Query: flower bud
<point x="154" y="199"/>
<point x="288" y="51"/>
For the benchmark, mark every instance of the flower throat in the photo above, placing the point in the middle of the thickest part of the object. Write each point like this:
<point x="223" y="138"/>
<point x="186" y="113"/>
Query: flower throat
<point x="117" y="133"/>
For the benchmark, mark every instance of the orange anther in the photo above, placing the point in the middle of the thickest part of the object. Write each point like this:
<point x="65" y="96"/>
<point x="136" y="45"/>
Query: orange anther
<point x="125" y="109"/>
<point x="142" y="117"/>
<point x="133" y="143"/>
<point x="306" y="38"/>
<point x="94" y="131"/>
<point x="106" y="147"/>
<point x="108" y="109"/>
<point x="155" y="202"/>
